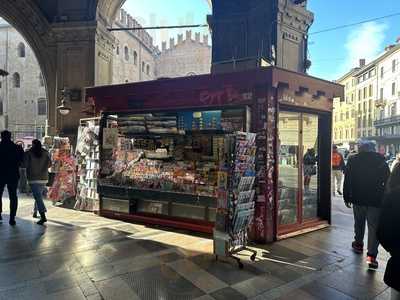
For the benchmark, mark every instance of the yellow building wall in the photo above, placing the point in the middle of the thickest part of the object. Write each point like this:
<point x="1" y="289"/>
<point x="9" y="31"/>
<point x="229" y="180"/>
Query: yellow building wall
<point x="344" y="114"/>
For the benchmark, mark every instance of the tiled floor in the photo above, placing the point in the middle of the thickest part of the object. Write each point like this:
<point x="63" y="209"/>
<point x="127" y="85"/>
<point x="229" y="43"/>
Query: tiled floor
<point x="81" y="256"/>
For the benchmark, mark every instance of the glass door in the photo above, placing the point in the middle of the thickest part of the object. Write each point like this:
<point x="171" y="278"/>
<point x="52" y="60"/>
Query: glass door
<point x="288" y="182"/>
<point x="298" y="180"/>
<point x="310" y="150"/>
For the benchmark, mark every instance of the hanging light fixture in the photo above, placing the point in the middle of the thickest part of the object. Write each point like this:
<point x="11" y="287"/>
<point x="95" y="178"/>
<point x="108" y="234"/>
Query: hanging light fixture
<point x="64" y="109"/>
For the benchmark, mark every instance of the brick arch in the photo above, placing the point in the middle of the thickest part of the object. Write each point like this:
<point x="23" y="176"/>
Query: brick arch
<point x="27" y="19"/>
<point x="107" y="9"/>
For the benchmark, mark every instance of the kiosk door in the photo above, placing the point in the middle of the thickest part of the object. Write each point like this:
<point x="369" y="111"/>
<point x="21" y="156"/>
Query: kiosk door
<point x="298" y="180"/>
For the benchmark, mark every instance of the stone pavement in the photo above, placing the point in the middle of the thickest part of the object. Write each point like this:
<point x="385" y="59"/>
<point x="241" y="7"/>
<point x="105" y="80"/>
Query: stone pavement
<point x="81" y="256"/>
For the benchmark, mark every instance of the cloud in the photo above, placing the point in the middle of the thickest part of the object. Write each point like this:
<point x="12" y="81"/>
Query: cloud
<point x="366" y="41"/>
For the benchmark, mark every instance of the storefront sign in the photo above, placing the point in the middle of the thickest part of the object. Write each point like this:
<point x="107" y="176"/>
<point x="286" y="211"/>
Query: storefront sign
<point x="227" y="95"/>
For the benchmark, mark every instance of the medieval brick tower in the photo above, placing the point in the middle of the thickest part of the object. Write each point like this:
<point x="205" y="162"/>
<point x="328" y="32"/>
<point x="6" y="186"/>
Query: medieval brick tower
<point x="248" y="33"/>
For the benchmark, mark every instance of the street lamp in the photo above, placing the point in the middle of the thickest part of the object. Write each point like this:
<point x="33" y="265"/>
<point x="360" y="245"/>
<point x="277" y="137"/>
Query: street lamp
<point x="64" y="109"/>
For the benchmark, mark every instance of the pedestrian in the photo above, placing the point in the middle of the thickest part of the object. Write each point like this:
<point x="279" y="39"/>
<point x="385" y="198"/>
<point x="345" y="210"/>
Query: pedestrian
<point x="389" y="231"/>
<point x="338" y="167"/>
<point x="37" y="163"/>
<point x="364" y="187"/>
<point x="11" y="156"/>
<point x="310" y="168"/>
<point x="395" y="162"/>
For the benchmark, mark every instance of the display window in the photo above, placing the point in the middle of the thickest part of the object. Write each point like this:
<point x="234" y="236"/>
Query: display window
<point x="167" y="163"/>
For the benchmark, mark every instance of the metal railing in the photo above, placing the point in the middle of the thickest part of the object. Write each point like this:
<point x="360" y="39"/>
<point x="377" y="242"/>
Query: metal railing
<point x="387" y="121"/>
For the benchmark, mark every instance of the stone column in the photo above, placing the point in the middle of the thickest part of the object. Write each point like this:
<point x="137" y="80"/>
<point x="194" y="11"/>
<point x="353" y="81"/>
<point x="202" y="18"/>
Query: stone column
<point x="84" y="59"/>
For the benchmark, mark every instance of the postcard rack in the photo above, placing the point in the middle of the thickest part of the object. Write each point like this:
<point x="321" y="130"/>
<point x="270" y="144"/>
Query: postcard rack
<point x="236" y="197"/>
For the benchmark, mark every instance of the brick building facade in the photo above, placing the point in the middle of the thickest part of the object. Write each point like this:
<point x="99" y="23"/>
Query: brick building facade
<point x="23" y="98"/>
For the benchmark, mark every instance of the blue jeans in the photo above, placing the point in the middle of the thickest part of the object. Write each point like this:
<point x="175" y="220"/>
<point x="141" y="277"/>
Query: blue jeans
<point x="37" y="192"/>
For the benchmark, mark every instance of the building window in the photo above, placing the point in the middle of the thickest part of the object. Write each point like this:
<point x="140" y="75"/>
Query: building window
<point x="135" y="58"/>
<point x="1" y="107"/>
<point x="381" y="94"/>
<point x="394" y="109"/>
<point x="42" y="107"/>
<point x="16" y="80"/>
<point x="117" y="50"/>
<point x="394" y="63"/>
<point x="143" y="66"/>
<point x="126" y="52"/>
<point x="365" y="93"/>
<point x="148" y="70"/>
<point x="393" y="88"/>
<point x="41" y="80"/>
<point x="21" y="50"/>
<point x="382" y="72"/>
<point x="359" y="95"/>
<point x="370" y="90"/>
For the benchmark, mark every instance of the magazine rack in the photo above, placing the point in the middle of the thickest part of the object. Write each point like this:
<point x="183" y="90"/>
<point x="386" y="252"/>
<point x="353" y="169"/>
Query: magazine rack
<point x="236" y="204"/>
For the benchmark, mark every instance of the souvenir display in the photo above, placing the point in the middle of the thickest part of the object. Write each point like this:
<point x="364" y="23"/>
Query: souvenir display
<point x="153" y="152"/>
<point x="64" y="167"/>
<point x="166" y="163"/>
<point x="87" y="155"/>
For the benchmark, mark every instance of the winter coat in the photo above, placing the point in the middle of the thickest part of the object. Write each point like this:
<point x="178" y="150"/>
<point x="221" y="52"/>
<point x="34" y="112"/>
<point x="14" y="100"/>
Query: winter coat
<point x="37" y="167"/>
<point x="11" y="157"/>
<point x="389" y="237"/>
<point x="365" y="179"/>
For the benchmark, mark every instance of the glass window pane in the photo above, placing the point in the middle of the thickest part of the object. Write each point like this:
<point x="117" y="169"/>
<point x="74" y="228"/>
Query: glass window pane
<point x="288" y="167"/>
<point x="310" y="167"/>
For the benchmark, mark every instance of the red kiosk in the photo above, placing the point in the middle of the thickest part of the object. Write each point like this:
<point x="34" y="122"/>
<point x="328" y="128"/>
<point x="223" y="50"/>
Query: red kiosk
<point x="163" y="141"/>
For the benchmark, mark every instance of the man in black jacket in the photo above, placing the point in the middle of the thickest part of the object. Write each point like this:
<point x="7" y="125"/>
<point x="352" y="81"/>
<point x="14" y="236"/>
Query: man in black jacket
<point x="11" y="157"/>
<point x="364" y="186"/>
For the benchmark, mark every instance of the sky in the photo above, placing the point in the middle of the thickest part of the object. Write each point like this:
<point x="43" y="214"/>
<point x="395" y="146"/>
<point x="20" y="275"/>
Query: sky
<point x="332" y="53"/>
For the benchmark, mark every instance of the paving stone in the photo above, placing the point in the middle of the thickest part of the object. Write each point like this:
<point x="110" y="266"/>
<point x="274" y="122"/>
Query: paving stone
<point x="280" y="253"/>
<point x="228" y="293"/>
<point x="257" y="285"/>
<point x="169" y="257"/>
<point x="324" y="292"/>
<point x="205" y="297"/>
<point x="356" y="281"/>
<point x="199" y="277"/>
<point x="90" y="258"/>
<point x="74" y="293"/>
<point x="386" y="295"/>
<point x="55" y="285"/>
<point x="116" y="289"/>
<point x="161" y="282"/>
<point x="18" y="272"/>
<point x="101" y="272"/>
<point x="24" y="293"/>
<point x="227" y="272"/>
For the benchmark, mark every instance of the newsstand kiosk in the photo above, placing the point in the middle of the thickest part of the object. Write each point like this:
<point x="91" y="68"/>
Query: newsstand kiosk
<point x="163" y="144"/>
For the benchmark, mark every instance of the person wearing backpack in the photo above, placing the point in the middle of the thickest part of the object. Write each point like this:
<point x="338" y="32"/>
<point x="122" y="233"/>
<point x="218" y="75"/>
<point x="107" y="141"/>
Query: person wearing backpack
<point x="338" y="168"/>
